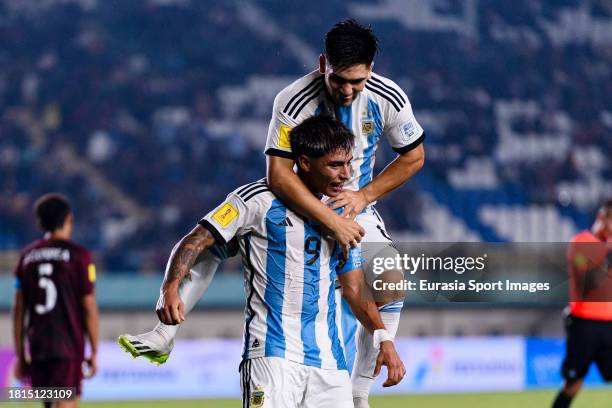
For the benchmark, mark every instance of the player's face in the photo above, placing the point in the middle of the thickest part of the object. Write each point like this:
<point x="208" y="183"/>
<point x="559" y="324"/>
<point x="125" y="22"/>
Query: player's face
<point x="608" y="225"/>
<point x="603" y="225"/>
<point x="344" y="85"/>
<point x="326" y="175"/>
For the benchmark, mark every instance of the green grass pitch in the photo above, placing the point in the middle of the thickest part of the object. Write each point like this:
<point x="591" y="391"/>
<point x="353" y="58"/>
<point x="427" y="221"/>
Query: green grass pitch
<point x="591" y="398"/>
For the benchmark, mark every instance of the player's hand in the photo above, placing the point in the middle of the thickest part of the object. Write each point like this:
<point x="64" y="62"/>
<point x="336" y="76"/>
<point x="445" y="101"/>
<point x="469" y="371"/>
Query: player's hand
<point x="170" y="308"/>
<point x="91" y="366"/>
<point x="347" y="232"/>
<point x="22" y="370"/>
<point x="353" y="202"/>
<point x="395" y="368"/>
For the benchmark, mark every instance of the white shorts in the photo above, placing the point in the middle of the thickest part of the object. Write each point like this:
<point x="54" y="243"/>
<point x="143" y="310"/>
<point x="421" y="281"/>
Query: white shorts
<point x="273" y="382"/>
<point x="375" y="237"/>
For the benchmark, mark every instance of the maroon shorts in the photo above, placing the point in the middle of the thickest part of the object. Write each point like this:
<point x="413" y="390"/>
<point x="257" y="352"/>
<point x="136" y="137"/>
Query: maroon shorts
<point x="58" y="373"/>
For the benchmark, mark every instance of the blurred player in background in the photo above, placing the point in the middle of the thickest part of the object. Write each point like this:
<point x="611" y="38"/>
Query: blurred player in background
<point x="371" y="106"/>
<point x="589" y="323"/>
<point x="55" y="293"/>
<point x="293" y="355"/>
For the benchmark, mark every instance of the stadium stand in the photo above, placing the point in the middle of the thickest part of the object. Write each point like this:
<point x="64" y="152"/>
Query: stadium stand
<point x="147" y="113"/>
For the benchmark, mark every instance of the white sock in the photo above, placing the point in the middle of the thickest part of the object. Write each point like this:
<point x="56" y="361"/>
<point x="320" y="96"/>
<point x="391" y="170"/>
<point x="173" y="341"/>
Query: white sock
<point x="365" y="361"/>
<point x="361" y="402"/>
<point x="191" y="290"/>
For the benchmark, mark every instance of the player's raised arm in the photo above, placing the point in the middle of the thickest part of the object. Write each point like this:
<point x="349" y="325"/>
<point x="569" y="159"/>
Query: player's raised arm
<point x="406" y="137"/>
<point x="359" y="298"/>
<point x="401" y="169"/>
<point x="283" y="181"/>
<point x="287" y="185"/>
<point x="170" y="307"/>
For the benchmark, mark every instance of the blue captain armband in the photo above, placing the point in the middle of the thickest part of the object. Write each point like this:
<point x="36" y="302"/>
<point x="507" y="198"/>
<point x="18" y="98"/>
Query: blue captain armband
<point x="17" y="284"/>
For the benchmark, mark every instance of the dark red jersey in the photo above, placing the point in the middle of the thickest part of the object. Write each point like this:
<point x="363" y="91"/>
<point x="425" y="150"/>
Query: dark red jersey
<point x="54" y="276"/>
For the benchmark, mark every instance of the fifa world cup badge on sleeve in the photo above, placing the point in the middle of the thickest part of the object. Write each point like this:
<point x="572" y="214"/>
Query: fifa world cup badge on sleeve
<point x="283" y="136"/>
<point x="409" y="130"/>
<point x="257" y="397"/>
<point x="225" y="215"/>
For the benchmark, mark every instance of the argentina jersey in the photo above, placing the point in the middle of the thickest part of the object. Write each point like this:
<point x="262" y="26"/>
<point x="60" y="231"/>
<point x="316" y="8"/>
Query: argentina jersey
<point x="289" y="278"/>
<point x="382" y="108"/>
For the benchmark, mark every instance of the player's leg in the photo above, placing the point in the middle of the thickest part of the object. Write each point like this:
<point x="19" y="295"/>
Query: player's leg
<point x="327" y="388"/>
<point x="58" y="373"/>
<point x="272" y="382"/>
<point x="40" y="376"/>
<point x="157" y="344"/>
<point x="376" y="243"/>
<point x="603" y="354"/>
<point x="579" y="353"/>
<point x="67" y="404"/>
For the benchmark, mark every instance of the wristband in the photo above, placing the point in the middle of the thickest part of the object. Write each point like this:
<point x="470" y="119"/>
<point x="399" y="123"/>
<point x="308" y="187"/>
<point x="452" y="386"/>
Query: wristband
<point x="379" y="336"/>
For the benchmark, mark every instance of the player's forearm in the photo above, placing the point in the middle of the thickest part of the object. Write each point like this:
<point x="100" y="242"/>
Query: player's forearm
<point x="288" y="186"/>
<point x="184" y="255"/>
<point x="400" y="170"/>
<point x="92" y="324"/>
<point x="362" y="304"/>
<point x="18" y="321"/>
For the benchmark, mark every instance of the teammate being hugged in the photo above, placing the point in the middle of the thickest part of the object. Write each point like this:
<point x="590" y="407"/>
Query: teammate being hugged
<point x="589" y="323"/>
<point x="55" y="290"/>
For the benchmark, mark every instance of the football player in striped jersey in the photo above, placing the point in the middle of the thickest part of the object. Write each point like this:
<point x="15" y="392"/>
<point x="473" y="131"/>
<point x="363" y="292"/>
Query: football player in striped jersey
<point x="372" y="106"/>
<point x="291" y="328"/>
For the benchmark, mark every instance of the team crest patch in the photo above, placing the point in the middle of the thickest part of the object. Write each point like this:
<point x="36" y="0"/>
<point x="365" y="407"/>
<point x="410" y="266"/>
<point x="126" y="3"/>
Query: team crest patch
<point x="367" y="126"/>
<point x="257" y="397"/>
<point x="283" y="138"/>
<point x="225" y="215"/>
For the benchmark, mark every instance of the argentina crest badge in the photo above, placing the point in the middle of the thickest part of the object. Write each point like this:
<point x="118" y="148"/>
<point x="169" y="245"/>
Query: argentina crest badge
<point x="257" y="397"/>
<point x="367" y="123"/>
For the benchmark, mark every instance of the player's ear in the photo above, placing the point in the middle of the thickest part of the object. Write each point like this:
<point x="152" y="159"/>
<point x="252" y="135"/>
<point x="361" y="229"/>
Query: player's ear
<point x="303" y="163"/>
<point x="322" y="63"/>
<point x="69" y="219"/>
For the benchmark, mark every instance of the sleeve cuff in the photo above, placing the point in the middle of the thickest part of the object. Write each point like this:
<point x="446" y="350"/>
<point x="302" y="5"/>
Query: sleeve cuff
<point x="411" y="146"/>
<point x="214" y="231"/>
<point x="280" y="153"/>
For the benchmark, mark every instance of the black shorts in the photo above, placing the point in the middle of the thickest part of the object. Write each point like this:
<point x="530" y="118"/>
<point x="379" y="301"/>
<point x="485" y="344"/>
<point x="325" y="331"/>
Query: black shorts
<point x="58" y="373"/>
<point x="587" y="341"/>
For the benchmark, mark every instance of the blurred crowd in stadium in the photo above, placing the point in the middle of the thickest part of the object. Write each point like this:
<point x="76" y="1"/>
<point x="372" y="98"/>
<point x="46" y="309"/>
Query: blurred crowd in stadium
<point x="146" y="113"/>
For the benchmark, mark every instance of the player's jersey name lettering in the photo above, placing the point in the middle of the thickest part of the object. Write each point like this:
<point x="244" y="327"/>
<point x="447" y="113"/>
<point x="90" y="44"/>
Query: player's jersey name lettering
<point x="47" y="254"/>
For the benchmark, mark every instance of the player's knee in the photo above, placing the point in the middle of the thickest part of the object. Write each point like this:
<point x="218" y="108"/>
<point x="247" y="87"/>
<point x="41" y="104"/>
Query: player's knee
<point x="571" y="387"/>
<point x="388" y="287"/>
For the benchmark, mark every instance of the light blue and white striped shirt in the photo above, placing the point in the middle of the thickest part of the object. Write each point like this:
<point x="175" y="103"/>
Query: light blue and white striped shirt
<point x="382" y="108"/>
<point x="290" y="269"/>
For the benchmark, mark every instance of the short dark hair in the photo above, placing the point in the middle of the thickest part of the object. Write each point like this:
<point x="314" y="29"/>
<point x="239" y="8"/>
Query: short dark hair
<point x="319" y="135"/>
<point x="350" y="43"/>
<point x="607" y="205"/>
<point x="51" y="211"/>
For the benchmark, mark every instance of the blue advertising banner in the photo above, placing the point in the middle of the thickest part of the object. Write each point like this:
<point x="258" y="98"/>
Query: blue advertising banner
<point x="544" y="357"/>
